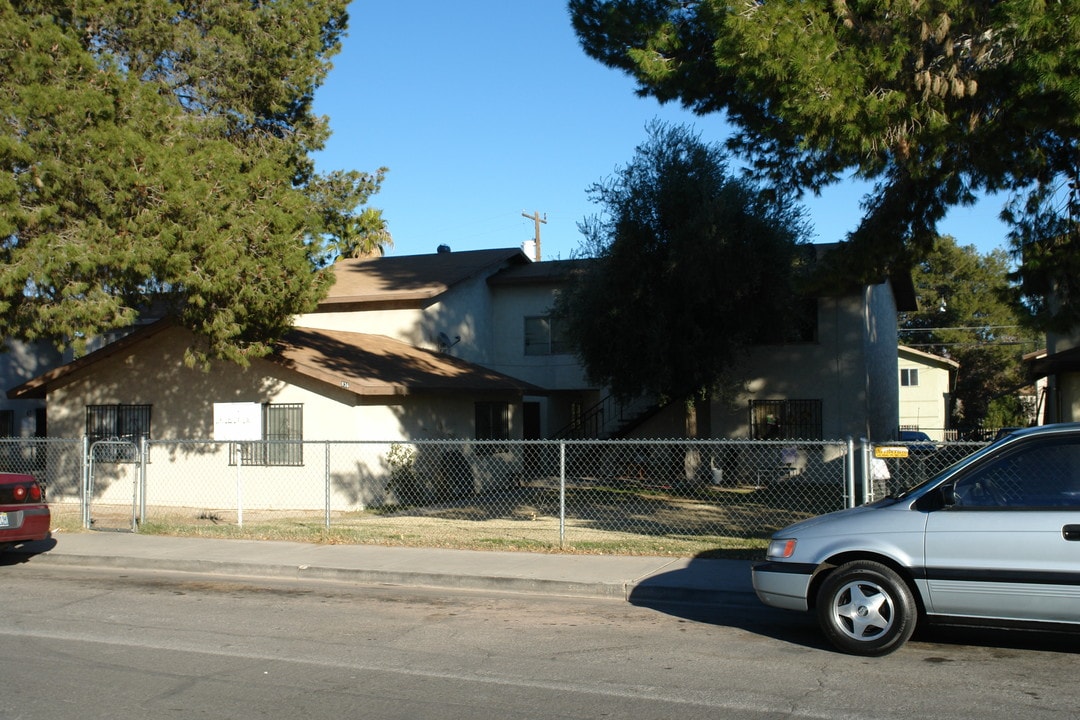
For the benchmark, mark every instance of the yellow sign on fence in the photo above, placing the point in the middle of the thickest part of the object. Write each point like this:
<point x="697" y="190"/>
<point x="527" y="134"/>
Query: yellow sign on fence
<point x="891" y="451"/>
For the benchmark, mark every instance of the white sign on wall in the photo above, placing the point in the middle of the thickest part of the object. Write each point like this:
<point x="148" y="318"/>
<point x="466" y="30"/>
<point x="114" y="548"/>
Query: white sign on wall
<point x="237" y="422"/>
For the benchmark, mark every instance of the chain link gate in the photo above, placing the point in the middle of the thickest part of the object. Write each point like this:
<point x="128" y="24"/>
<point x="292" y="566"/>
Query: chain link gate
<point x="124" y="460"/>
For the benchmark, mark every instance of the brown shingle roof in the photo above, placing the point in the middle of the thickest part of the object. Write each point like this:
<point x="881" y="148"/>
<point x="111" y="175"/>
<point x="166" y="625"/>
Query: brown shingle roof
<point x="547" y="272"/>
<point x="375" y="365"/>
<point x="410" y="280"/>
<point x="366" y="365"/>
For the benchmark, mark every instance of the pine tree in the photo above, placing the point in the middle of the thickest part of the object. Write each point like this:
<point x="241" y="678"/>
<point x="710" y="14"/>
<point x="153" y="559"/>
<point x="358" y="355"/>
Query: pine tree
<point x="933" y="101"/>
<point x="155" y="158"/>
<point x="964" y="315"/>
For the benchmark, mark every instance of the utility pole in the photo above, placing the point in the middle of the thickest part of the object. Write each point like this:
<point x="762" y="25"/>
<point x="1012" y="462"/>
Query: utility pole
<point x="537" y="220"/>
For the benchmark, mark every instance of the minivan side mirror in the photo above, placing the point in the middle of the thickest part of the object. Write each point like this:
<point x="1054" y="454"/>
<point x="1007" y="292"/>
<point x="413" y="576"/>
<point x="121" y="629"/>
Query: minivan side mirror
<point x="937" y="499"/>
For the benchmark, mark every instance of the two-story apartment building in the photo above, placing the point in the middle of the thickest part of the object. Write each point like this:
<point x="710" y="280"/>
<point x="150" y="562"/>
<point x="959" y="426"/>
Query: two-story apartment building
<point x="464" y="345"/>
<point x="459" y="346"/>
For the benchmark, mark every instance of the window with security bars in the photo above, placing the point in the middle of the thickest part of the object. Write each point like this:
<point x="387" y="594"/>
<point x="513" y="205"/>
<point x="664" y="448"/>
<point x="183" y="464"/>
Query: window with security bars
<point x="114" y="425"/>
<point x="785" y="419"/>
<point x="283" y="435"/>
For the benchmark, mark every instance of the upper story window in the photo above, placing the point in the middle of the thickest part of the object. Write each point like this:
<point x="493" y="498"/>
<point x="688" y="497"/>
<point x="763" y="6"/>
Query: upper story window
<point x="545" y="335"/>
<point x="801" y="328"/>
<point x="909" y="377"/>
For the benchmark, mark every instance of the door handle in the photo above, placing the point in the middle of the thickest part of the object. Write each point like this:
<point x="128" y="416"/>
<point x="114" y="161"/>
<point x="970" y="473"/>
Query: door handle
<point x="1071" y="532"/>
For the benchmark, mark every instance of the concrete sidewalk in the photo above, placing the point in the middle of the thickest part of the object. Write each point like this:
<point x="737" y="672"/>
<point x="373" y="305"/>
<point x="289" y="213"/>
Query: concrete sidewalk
<point x="631" y="578"/>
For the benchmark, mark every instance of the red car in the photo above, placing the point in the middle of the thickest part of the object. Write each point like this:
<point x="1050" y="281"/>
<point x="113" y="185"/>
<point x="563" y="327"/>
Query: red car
<point x="24" y="515"/>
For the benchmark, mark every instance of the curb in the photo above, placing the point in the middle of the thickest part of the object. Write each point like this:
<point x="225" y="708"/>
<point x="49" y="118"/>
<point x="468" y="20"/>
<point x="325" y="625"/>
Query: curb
<point x="611" y="591"/>
<point x="722" y="584"/>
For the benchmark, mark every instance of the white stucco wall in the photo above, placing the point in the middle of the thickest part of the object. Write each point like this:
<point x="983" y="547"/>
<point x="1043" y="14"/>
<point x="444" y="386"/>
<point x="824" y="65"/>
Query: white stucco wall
<point x="511" y="305"/>
<point x="882" y="372"/>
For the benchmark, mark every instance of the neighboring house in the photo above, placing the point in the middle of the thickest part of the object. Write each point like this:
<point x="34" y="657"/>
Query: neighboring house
<point x="22" y="362"/>
<point x="926" y="386"/>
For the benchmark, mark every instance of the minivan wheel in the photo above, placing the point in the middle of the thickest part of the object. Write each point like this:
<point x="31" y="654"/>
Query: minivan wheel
<point x="865" y="608"/>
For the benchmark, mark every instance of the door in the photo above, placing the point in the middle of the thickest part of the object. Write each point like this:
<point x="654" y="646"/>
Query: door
<point x="531" y="431"/>
<point x="1008" y="546"/>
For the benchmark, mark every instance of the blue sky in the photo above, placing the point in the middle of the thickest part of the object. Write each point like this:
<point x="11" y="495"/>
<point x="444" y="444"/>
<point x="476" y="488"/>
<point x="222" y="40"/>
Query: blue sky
<point x="487" y="109"/>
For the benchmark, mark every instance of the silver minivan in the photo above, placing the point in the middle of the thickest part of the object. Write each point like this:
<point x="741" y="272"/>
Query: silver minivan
<point x="993" y="539"/>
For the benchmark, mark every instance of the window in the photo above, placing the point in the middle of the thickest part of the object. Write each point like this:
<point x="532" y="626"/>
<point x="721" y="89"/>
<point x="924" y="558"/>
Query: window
<point x="112" y="423"/>
<point x="118" y="422"/>
<point x="785" y="419"/>
<point x="283" y="435"/>
<point x="909" y="377"/>
<point x="802" y="326"/>
<point x="1046" y="475"/>
<point x="546" y="336"/>
<point x="492" y="423"/>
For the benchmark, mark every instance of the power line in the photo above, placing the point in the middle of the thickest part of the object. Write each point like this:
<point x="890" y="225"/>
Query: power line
<point x="975" y="327"/>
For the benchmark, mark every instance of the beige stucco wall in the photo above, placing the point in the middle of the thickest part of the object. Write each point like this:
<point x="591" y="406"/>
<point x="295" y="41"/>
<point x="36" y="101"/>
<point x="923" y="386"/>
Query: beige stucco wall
<point x="851" y="368"/>
<point x="833" y="369"/>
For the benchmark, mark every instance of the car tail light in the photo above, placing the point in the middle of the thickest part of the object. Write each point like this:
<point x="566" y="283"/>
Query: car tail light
<point x="26" y="493"/>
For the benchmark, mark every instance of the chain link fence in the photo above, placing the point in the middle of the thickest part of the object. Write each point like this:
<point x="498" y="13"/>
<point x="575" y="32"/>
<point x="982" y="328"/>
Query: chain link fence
<point x="603" y="496"/>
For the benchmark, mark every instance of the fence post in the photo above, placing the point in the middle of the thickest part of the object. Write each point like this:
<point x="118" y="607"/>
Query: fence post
<point x="239" y="487"/>
<point x="865" y="481"/>
<point x="562" y="493"/>
<point x="144" y="450"/>
<point x="86" y="469"/>
<point x="849" y="473"/>
<point x="326" y="473"/>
